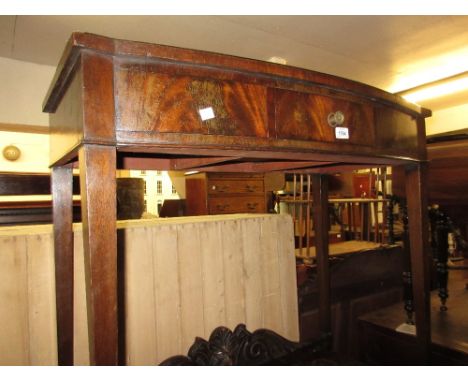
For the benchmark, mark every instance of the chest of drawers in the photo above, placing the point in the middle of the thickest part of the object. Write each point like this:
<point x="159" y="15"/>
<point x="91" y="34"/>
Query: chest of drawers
<point x="225" y="193"/>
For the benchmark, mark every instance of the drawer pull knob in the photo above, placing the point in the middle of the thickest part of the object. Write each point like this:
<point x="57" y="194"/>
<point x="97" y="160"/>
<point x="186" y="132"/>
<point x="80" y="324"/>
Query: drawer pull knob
<point x="336" y="119"/>
<point x="222" y="207"/>
<point x="252" y="206"/>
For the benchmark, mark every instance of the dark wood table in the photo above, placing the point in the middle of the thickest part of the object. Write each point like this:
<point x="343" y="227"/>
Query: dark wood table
<point x="122" y="104"/>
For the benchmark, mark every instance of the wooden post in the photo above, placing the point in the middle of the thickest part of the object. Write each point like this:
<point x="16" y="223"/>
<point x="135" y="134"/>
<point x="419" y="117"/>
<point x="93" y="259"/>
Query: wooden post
<point x="440" y="246"/>
<point x="376" y="221"/>
<point x="368" y="220"/>
<point x="390" y="221"/>
<point x="442" y="257"/>
<point x="62" y="204"/>
<point x="98" y="206"/>
<point x="416" y="194"/>
<point x="321" y="223"/>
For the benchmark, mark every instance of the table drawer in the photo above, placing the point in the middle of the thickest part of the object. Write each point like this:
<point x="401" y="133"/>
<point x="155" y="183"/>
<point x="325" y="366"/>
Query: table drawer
<point x="306" y="117"/>
<point x="224" y="186"/>
<point x="238" y="204"/>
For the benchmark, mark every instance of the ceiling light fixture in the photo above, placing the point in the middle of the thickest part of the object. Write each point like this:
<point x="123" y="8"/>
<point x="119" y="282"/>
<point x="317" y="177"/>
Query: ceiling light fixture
<point x="435" y="89"/>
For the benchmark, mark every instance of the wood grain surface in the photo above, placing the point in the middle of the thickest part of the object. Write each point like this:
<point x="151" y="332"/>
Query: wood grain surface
<point x="62" y="199"/>
<point x="157" y="102"/>
<point x="99" y="214"/>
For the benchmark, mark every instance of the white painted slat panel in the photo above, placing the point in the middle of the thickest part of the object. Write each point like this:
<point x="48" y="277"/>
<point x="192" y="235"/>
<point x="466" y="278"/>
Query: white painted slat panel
<point x="140" y="308"/>
<point x="41" y="292"/>
<point x="14" y="328"/>
<point x="288" y="288"/>
<point x="184" y="277"/>
<point x="214" y="309"/>
<point x="233" y="273"/>
<point x="191" y="283"/>
<point x="271" y="275"/>
<point x="167" y="291"/>
<point x="253" y="269"/>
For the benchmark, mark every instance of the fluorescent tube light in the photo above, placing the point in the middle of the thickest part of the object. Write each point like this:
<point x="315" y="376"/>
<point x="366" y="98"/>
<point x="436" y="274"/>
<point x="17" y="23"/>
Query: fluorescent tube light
<point x="436" y="89"/>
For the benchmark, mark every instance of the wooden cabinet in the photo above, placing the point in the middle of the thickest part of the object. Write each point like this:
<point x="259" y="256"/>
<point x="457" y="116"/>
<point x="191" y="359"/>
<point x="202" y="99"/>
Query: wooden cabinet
<point x="225" y="193"/>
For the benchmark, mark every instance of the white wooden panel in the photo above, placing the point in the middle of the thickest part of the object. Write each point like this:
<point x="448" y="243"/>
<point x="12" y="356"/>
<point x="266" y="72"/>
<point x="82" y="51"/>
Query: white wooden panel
<point x="167" y="291"/>
<point x="41" y="296"/>
<point x="288" y="289"/>
<point x="140" y="308"/>
<point x="214" y="310"/>
<point x="184" y="277"/>
<point x="14" y="328"/>
<point x="233" y="273"/>
<point x="270" y="275"/>
<point x="191" y="283"/>
<point x="253" y="269"/>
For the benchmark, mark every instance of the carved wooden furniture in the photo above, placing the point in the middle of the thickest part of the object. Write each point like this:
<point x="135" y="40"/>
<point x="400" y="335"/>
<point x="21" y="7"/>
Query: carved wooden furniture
<point x="116" y="103"/>
<point x="225" y="193"/>
<point x="243" y="348"/>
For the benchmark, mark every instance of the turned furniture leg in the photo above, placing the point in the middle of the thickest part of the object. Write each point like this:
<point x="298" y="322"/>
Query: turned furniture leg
<point x="390" y="221"/>
<point x="321" y="224"/>
<point x="442" y="269"/>
<point x="98" y="205"/>
<point x="442" y="247"/>
<point x="407" y="276"/>
<point x="416" y="193"/>
<point x="62" y="205"/>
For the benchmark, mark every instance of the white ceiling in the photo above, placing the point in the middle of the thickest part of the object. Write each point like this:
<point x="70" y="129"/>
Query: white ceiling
<point x="389" y="52"/>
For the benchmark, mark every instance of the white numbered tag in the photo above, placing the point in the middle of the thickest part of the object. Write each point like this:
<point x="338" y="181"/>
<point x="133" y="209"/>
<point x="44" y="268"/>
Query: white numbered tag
<point x="206" y="113"/>
<point x="341" y="133"/>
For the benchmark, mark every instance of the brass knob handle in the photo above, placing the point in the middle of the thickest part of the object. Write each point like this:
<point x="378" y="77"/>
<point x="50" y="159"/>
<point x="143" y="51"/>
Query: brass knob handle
<point x="252" y="206"/>
<point x="222" y="207"/>
<point x="335" y="119"/>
